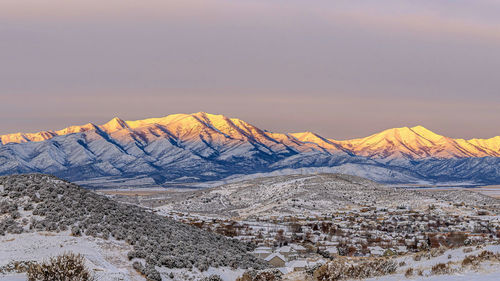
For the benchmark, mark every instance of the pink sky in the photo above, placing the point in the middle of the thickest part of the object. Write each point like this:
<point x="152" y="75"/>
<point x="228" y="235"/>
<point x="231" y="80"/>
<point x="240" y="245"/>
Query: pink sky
<point x="340" y="68"/>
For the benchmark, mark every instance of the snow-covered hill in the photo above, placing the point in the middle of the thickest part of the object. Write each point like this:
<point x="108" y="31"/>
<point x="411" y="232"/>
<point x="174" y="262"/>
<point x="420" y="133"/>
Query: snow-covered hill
<point x="310" y="195"/>
<point x="43" y="216"/>
<point x="204" y="147"/>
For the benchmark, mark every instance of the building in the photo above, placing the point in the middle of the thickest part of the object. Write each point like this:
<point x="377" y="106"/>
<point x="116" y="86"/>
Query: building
<point x="297" y="265"/>
<point x="276" y="260"/>
<point x="287" y="251"/>
<point x="262" y="252"/>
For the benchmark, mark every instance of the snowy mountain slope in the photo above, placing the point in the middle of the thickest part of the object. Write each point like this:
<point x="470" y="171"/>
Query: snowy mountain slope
<point x="419" y="142"/>
<point x="205" y="147"/>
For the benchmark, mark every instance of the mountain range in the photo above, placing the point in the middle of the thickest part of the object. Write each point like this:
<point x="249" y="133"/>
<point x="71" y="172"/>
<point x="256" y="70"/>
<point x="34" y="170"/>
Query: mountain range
<point x="201" y="147"/>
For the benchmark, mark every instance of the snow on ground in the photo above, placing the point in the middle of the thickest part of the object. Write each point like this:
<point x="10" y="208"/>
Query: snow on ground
<point x="106" y="258"/>
<point x="226" y="273"/>
<point x="486" y="273"/>
<point x="469" y="276"/>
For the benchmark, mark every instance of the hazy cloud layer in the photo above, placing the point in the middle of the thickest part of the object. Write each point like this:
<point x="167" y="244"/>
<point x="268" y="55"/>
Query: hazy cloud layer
<point x="340" y="68"/>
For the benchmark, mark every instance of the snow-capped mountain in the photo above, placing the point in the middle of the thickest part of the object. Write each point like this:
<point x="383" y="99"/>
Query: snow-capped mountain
<point x="204" y="147"/>
<point x="419" y="142"/>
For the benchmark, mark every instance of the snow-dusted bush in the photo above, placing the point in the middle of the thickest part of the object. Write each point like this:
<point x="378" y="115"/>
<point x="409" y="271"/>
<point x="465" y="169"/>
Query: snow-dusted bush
<point x="7" y="207"/>
<point x="151" y="273"/>
<point x="148" y="271"/>
<point x="261" y="275"/>
<point x="409" y="272"/>
<point x="9" y="225"/>
<point x="441" y="268"/>
<point x="75" y="231"/>
<point x="138" y="266"/>
<point x="16" y="266"/>
<point x="66" y="267"/>
<point x="212" y="277"/>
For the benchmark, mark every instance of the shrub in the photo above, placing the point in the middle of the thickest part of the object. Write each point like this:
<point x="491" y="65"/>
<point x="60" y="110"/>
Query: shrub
<point x="262" y="275"/>
<point x="212" y="277"/>
<point x="151" y="273"/>
<point x="441" y="268"/>
<point x="15" y="215"/>
<point x="75" y="231"/>
<point x="66" y="267"/>
<point x="409" y="272"/>
<point x="475" y="261"/>
<point x="138" y="267"/>
<point x="468" y="250"/>
<point x="470" y="261"/>
<point x="342" y="269"/>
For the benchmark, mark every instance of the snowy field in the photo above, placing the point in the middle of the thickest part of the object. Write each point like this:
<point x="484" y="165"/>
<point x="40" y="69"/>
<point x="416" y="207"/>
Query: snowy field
<point x="107" y="259"/>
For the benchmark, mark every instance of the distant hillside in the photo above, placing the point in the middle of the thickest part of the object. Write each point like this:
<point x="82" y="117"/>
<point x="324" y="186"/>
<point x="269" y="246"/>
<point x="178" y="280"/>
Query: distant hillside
<point x="204" y="147"/>
<point x="312" y="194"/>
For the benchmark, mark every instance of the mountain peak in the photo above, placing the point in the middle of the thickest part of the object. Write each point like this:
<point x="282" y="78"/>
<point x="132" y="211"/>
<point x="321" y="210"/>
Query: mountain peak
<point x="306" y="136"/>
<point x="114" y="125"/>
<point x="426" y="133"/>
<point x="76" y="129"/>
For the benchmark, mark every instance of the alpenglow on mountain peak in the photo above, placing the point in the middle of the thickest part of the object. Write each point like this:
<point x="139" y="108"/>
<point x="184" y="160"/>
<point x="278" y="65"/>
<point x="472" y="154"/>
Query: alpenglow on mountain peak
<point x="417" y="141"/>
<point x="204" y="147"/>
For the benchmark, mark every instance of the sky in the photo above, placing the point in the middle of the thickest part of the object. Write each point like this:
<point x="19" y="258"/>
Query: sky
<point x="343" y="69"/>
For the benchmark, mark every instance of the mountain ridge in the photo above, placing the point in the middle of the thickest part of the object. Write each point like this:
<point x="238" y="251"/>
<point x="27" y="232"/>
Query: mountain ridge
<point x="239" y="129"/>
<point x="207" y="147"/>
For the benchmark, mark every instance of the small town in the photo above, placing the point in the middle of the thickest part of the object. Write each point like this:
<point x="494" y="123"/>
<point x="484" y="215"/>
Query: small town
<point x="296" y="242"/>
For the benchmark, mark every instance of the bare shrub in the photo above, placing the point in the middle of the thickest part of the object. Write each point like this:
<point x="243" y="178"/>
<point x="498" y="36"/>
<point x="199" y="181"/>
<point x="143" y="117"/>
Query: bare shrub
<point x="261" y="275"/>
<point x="436" y="252"/>
<point x="409" y="272"/>
<point x="468" y="250"/>
<point x="66" y="267"/>
<point x="475" y="261"/>
<point x="470" y="261"/>
<point x="441" y="268"/>
<point x="344" y="269"/>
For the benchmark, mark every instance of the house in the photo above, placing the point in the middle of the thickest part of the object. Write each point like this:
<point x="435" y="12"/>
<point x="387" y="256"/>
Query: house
<point x="262" y="252"/>
<point x="286" y="251"/>
<point x="297" y="265"/>
<point x="299" y="249"/>
<point x="276" y="260"/>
